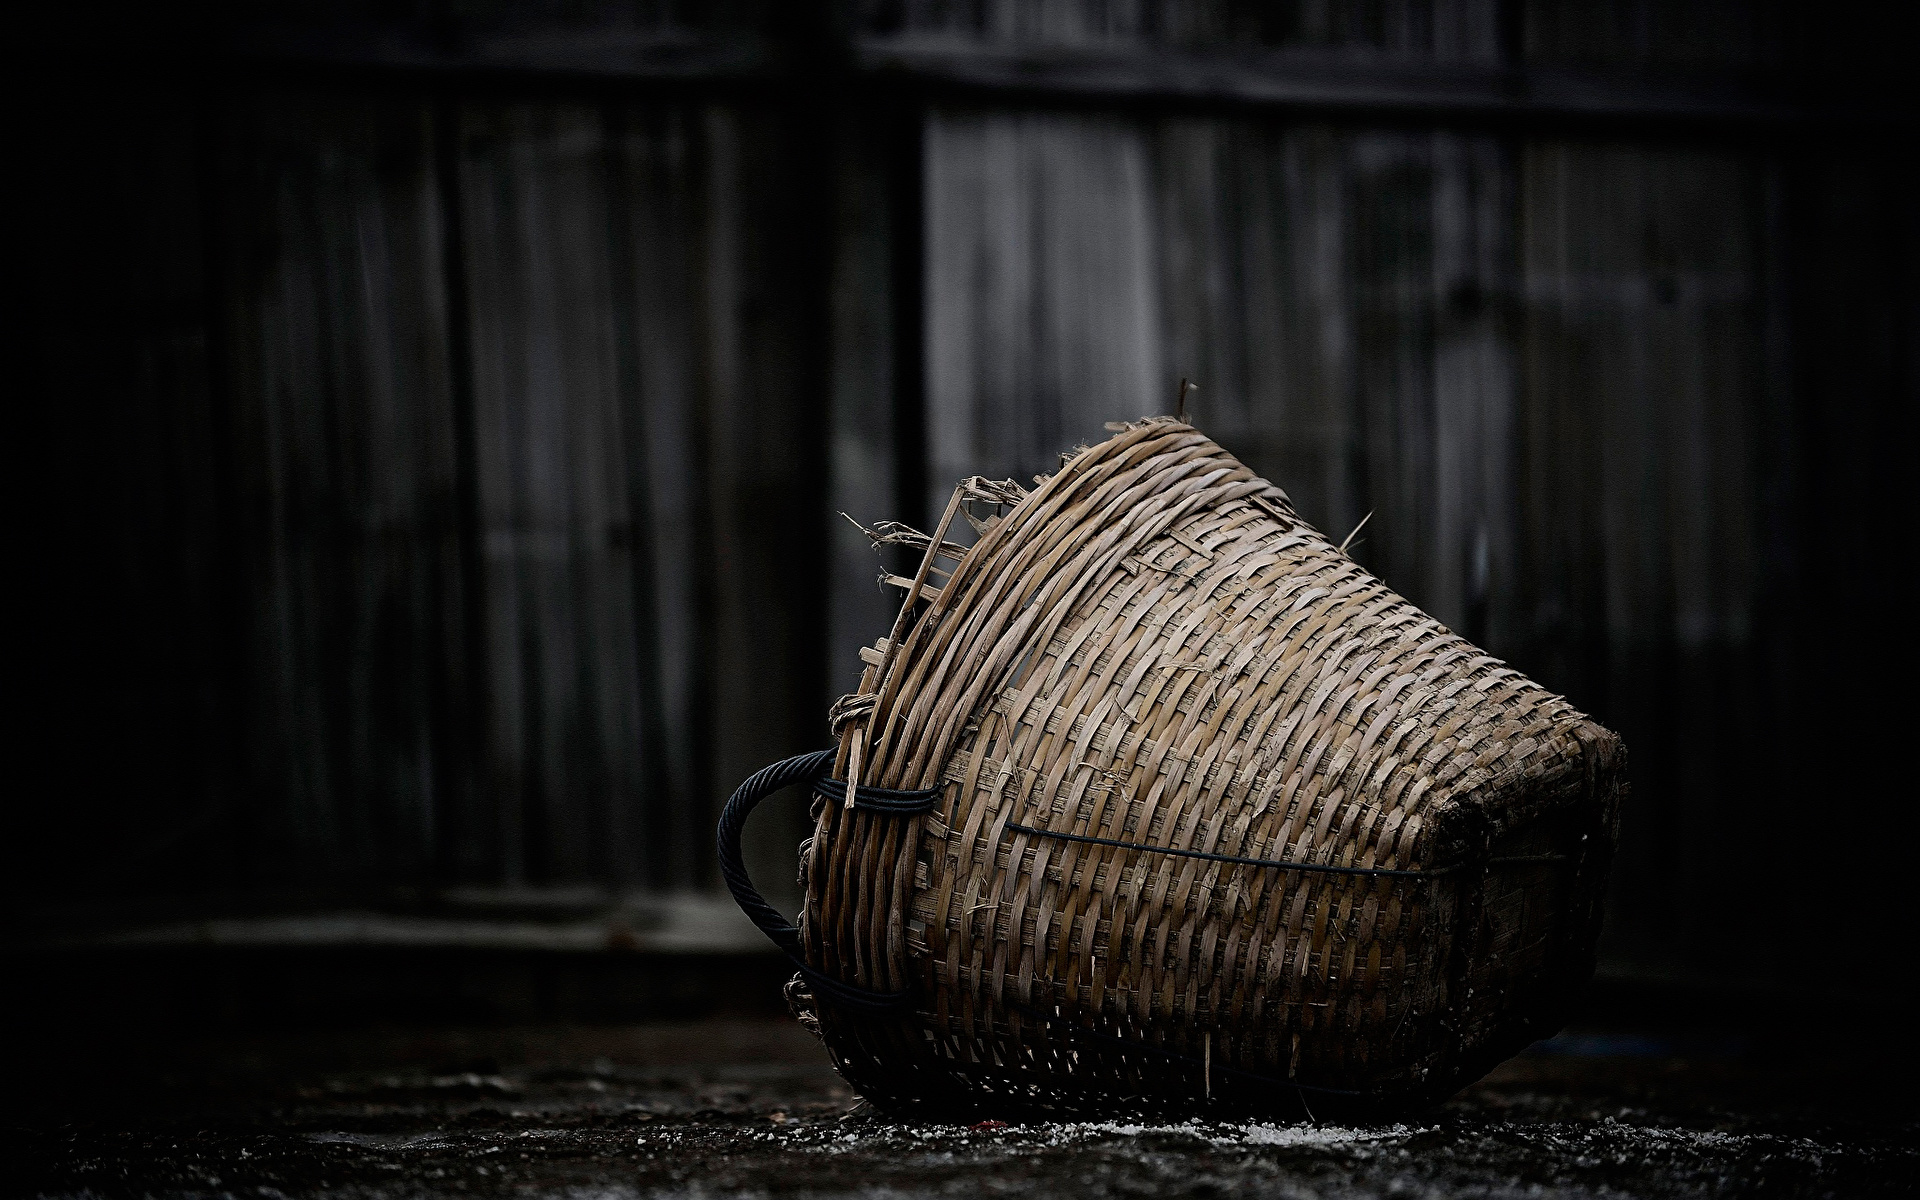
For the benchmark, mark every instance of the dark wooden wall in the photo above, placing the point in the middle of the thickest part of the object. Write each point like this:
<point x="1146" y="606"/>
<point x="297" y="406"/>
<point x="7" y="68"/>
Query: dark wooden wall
<point x="442" y="418"/>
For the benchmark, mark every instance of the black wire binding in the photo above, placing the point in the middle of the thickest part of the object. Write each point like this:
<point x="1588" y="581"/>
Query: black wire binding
<point x="809" y="769"/>
<point x="1283" y="864"/>
<point x="1079" y="1030"/>
<point x="847" y="995"/>
<point x="875" y="799"/>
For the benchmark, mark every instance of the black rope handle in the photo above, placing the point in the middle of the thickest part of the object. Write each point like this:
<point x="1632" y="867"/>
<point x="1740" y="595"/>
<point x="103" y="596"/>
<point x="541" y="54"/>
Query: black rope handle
<point x="809" y="769"/>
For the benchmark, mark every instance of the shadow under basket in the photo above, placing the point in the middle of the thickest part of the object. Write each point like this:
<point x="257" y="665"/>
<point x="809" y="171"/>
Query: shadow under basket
<point x="1153" y="799"/>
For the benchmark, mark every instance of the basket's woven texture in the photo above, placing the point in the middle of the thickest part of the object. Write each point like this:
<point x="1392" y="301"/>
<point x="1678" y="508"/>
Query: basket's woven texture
<point x="1153" y="649"/>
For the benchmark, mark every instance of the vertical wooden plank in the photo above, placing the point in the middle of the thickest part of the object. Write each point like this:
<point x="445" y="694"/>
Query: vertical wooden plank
<point x="1471" y="562"/>
<point x="864" y="471"/>
<point x="1256" y="304"/>
<point x="767" y="483"/>
<point x="1303" y="413"/>
<point x="338" y="377"/>
<point x="1644" y="310"/>
<point x="1042" y="319"/>
<point x="652" y="472"/>
<point x="663" y="207"/>
<point x="1208" y="243"/>
<point x="1430" y="265"/>
<point x="1391" y="257"/>
<point x="564" y="708"/>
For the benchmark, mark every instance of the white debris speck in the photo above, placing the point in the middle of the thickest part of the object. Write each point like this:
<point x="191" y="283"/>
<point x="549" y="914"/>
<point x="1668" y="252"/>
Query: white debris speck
<point x="1314" y="1135"/>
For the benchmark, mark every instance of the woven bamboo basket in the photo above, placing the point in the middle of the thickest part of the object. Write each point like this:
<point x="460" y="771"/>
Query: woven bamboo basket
<point x="1153" y="798"/>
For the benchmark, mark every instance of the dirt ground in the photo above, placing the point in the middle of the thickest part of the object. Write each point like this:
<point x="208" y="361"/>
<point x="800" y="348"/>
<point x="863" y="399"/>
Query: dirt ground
<point x="750" y="1108"/>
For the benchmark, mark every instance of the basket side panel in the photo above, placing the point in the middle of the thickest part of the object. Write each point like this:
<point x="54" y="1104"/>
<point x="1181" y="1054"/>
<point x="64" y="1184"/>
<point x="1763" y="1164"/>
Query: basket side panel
<point x="1529" y="927"/>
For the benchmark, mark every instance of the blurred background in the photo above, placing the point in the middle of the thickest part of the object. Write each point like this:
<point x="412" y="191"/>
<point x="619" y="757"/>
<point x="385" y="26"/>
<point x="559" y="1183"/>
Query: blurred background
<point x="432" y="418"/>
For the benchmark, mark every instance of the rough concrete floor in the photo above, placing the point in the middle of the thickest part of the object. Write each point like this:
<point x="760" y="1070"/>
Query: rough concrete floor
<point x="750" y="1109"/>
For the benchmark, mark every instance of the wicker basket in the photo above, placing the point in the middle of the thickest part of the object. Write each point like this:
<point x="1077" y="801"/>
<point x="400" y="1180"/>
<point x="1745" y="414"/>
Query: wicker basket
<point x="1158" y="799"/>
